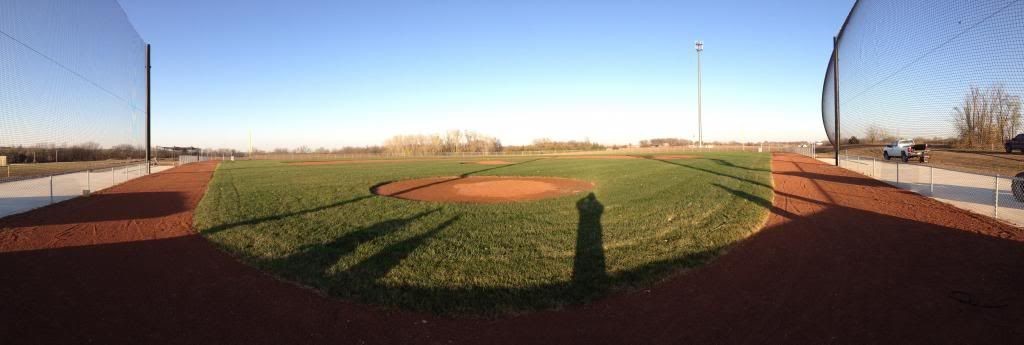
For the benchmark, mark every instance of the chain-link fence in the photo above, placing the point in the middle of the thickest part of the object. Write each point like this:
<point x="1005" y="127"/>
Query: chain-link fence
<point x="990" y="195"/>
<point x="28" y="193"/>
<point x="311" y="156"/>
<point x="73" y="100"/>
<point x="946" y="74"/>
<point x="189" y="159"/>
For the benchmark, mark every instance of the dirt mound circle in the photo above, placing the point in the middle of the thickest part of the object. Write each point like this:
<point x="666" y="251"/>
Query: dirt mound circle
<point x="670" y="157"/>
<point x="482" y="189"/>
<point x="489" y="162"/>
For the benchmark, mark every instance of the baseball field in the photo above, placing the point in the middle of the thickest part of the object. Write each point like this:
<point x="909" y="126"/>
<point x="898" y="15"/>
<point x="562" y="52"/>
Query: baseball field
<point x="701" y="248"/>
<point x="484" y="236"/>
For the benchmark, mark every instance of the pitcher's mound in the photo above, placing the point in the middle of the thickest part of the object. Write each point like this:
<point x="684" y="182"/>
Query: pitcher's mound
<point x="482" y="189"/>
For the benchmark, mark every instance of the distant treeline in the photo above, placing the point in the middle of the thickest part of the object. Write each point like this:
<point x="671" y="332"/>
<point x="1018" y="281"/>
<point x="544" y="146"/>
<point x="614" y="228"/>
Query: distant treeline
<point x="985" y="119"/>
<point x="88" y="151"/>
<point x="665" y="142"/>
<point x="675" y="142"/>
<point x="450" y="142"/>
<point x="545" y="144"/>
<point x="91" y="151"/>
<point x="453" y="141"/>
<point x="456" y="141"/>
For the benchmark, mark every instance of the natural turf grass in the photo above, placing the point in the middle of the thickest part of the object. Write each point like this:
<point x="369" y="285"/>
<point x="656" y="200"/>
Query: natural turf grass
<point x="321" y="226"/>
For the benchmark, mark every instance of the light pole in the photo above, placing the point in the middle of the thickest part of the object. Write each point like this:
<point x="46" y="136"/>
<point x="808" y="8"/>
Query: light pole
<point x="700" y="125"/>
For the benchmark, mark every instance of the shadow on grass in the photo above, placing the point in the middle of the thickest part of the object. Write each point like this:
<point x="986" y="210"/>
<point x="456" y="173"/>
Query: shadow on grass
<point x="713" y="172"/>
<point x="314" y="261"/>
<point x="312" y="265"/>
<point x="255" y="221"/>
<point x="317" y="265"/>
<point x="731" y="165"/>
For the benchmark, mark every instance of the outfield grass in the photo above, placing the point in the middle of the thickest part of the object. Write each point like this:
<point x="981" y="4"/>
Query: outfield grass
<point x="321" y="226"/>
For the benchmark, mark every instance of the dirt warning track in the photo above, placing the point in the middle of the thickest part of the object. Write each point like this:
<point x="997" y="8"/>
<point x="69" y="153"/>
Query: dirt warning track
<point x="842" y="259"/>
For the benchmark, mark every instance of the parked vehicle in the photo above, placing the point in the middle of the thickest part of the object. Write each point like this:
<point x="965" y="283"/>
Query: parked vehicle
<point x="1017" y="143"/>
<point x="905" y="149"/>
<point x="1017" y="186"/>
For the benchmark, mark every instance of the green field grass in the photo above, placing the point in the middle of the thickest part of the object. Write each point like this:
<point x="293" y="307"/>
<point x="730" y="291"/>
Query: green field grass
<point x="646" y="218"/>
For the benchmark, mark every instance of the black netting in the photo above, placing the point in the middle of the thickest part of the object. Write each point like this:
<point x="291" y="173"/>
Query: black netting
<point x="947" y="73"/>
<point x="828" y="110"/>
<point x="73" y="81"/>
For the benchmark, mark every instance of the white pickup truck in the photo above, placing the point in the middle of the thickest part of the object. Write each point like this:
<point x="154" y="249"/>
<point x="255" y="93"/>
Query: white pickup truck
<point x="905" y="149"/>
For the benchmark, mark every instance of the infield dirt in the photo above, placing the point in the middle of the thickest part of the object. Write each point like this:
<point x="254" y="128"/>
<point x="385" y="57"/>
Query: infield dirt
<point x="482" y="189"/>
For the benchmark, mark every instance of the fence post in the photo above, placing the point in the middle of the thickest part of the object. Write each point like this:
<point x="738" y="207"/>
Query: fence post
<point x="872" y="166"/>
<point x="995" y="209"/>
<point x="897" y="174"/>
<point x="112" y="176"/>
<point x="88" y="181"/>
<point x="51" y="189"/>
<point x="931" y="180"/>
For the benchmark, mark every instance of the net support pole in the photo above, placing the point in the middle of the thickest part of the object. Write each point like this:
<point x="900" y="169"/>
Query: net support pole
<point x="995" y="191"/>
<point x="835" y="90"/>
<point x="149" y="147"/>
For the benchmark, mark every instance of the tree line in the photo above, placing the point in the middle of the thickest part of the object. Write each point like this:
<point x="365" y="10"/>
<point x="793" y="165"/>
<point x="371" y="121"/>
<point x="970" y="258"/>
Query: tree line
<point x="87" y="151"/>
<point x="985" y="120"/>
<point x="657" y="142"/>
<point x="453" y="141"/>
<point x="546" y="144"/>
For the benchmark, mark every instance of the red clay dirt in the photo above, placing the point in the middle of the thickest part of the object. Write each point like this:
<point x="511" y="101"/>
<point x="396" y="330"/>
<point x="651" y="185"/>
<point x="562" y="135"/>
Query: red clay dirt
<point x="842" y="259"/>
<point x="482" y="189"/>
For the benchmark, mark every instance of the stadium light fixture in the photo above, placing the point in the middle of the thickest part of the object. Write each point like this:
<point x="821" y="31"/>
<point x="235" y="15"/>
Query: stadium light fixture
<point x="700" y="126"/>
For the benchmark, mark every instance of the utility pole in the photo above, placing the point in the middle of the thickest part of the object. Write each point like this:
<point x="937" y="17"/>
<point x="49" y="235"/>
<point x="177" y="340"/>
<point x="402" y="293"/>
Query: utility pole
<point x="700" y="125"/>
<point x="149" y="148"/>
<point x="835" y="91"/>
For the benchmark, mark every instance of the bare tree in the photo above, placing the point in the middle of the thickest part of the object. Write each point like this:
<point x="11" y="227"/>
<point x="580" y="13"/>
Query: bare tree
<point x="875" y="134"/>
<point x="987" y="118"/>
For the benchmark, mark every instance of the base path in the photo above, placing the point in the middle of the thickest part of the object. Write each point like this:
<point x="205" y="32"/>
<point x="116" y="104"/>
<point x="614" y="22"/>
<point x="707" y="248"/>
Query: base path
<point x="842" y="259"/>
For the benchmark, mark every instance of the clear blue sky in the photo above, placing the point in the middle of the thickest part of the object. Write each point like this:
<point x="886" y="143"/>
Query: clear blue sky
<point x="334" y="73"/>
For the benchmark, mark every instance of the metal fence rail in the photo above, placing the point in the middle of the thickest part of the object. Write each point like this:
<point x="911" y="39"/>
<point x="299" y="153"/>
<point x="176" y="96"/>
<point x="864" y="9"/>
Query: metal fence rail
<point x="31" y="193"/>
<point x="625" y="151"/>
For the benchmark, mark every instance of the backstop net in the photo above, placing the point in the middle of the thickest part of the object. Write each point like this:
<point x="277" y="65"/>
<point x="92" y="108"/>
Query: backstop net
<point x="73" y="81"/>
<point x="949" y="73"/>
<point x="946" y="73"/>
